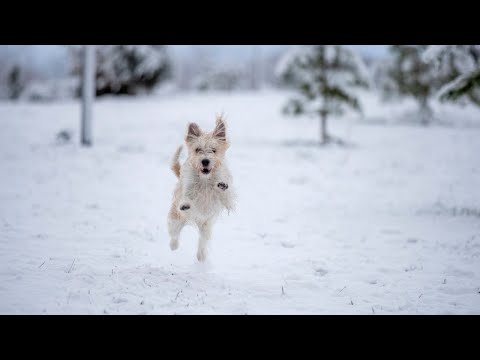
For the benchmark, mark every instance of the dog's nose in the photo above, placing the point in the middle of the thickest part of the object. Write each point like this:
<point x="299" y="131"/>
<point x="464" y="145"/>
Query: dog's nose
<point x="205" y="162"/>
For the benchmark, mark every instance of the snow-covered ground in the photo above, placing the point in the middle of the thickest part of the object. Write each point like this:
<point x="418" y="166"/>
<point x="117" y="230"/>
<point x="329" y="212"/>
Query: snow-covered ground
<point x="389" y="225"/>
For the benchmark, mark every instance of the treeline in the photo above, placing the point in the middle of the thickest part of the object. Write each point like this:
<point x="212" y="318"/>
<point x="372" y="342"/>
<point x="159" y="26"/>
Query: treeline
<point x="326" y="78"/>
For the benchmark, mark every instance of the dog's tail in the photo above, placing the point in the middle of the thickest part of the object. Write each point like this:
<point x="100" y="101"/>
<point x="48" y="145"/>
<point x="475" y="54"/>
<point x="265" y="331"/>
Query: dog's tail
<point x="175" y="164"/>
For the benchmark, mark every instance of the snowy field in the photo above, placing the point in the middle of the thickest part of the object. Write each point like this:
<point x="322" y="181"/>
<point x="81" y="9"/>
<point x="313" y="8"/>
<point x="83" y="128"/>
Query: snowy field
<point x="388" y="225"/>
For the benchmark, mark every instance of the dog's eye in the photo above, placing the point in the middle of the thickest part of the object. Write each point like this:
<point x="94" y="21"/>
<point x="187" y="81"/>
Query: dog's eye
<point x="198" y="150"/>
<point x="214" y="151"/>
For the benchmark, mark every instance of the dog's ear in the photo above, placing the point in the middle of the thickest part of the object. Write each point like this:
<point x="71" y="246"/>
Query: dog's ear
<point x="193" y="131"/>
<point x="220" y="131"/>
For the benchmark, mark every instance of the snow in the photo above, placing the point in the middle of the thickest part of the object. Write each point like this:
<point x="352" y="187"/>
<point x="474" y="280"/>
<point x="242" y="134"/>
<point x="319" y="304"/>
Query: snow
<point x="220" y="78"/>
<point x="289" y="57"/>
<point x="434" y="52"/>
<point x="452" y="57"/>
<point x="460" y="82"/>
<point x="50" y="90"/>
<point x="388" y="225"/>
<point x="462" y="62"/>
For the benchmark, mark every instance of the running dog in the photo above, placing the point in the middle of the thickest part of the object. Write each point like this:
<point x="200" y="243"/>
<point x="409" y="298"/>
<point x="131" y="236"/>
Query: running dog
<point x="204" y="188"/>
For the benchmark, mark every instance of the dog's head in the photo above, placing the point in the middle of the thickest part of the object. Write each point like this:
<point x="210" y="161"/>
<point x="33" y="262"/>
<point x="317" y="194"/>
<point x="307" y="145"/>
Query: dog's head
<point x="206" y="151"/>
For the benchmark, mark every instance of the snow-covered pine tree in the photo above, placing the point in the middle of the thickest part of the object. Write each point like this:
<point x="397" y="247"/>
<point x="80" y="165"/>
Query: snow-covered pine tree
<point x="325" y="77"/>
<point x="406" y="74"/>
<point x="125" y="69"/>
<point x="459" y="69"/>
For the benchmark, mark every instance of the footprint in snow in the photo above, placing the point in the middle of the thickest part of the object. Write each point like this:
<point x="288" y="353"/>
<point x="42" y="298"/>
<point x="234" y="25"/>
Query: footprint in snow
<point x="391" y="231"/>
<point x="119" y="300"/>
<point x="321" y="272"/>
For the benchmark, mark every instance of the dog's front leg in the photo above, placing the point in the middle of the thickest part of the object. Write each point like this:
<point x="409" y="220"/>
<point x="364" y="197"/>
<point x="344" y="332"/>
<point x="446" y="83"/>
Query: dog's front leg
<point x="205" y="235"/>
<point x="228" y="201"/>
<point x="227" y="197"/>
<point x="222" y="186"/>
<point x="185" y="202"/>
<point x="184" y="206"/>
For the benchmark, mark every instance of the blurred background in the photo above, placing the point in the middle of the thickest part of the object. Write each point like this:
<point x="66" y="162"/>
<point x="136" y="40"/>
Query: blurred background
<point x="246" y="66"/>
<point x="242" y="66"/>
<point x="421" y="74"/>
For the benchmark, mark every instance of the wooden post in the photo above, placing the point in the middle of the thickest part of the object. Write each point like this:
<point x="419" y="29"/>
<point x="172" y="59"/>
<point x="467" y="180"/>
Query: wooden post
<point x="88" y="93"/>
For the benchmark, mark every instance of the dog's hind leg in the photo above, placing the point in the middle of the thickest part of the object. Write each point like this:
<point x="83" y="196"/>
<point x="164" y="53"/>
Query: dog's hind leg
<point x="205" y="235"/>
<point x="175" y="226"/>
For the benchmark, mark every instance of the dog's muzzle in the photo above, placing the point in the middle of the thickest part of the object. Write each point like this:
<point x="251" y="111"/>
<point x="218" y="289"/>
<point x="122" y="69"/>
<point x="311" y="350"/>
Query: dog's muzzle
<point x="205" y="163"/>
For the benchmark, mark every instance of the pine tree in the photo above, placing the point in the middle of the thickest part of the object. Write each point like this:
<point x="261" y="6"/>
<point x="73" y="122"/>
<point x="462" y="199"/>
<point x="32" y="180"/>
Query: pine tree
<point x="325" y="77"/>
<point x="459" y="69"/>
<point x="406" y="74"/>
<point x="125" y="69"/>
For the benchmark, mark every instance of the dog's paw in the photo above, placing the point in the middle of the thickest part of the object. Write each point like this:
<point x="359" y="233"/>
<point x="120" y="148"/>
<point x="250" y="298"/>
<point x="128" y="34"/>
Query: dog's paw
<point x="184" y="207"/>
<point x="174" y="245"/>
<point x="223" y="186"/>
<point x="201" y="255"/>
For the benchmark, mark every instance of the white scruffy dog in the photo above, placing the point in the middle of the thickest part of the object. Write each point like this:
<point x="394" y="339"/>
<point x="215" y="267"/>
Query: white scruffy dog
<point x="204" y="187"/>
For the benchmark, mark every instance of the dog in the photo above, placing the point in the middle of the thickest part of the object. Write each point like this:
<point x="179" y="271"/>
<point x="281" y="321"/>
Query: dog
<point x="204" y="188"/>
